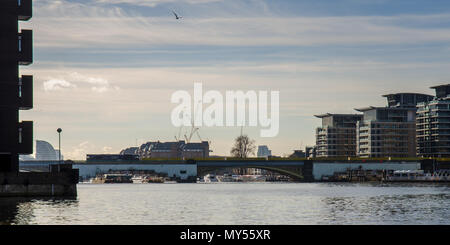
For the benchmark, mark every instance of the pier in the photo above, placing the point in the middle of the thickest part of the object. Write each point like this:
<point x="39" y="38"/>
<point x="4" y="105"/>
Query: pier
<point x="60" y="180"/>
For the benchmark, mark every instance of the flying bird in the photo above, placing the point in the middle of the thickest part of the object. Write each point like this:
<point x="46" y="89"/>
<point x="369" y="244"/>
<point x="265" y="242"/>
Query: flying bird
<point x="176" y="16"/>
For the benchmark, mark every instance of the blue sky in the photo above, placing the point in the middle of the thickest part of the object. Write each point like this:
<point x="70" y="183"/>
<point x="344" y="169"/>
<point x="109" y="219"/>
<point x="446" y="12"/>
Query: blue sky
<point x="105" y="69"/>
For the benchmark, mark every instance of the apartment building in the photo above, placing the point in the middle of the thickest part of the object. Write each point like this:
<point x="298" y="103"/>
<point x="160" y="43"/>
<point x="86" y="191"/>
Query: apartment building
<point x="389" y="131"/>
<point x="337" y="136"/>
<point x="16" y="93"/>
<point x="433" y="124"/>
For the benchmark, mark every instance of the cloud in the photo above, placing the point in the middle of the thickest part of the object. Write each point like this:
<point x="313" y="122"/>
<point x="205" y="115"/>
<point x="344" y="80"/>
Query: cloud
<point x="153" y="3"/>
<point x="91" y="80"/>
<point x="107" y="149"/>
<point x="56" y="84"/>
<point x="77" y="80"/>
<point x="87" y="47"/>
<point x="105" y="26"/>
<point x="79" y="151"/>
<point x="101" y="85"/>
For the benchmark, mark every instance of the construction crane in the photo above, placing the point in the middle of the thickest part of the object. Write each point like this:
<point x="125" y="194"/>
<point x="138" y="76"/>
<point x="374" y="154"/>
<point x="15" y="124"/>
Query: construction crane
<point x="198" y="135"/>
<point x="178" y="136"/>
<point x="194" y="130"/>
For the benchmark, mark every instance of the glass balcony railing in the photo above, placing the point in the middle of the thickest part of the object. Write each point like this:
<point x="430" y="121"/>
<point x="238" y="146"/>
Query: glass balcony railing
<point x="25" y="92"/>
<point x="25" y="47"/>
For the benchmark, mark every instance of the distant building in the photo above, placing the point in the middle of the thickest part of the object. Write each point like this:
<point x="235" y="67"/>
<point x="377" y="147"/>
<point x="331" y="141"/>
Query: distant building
<point x="433" y="124"/>
<point x="390" y="131"/>
<point x="144" y="150"/>
<point x="167" y="150"/>
<point x="337" y="136"/>
<point x="406" y="100"/>
<point x="310" y="151"/>
<point x="263" y="151"/>
<point x="170" y="150"/>
<point x="195" y="150"/>
<point x="298" y="154"/>
<point x="45" y="151"/>
<point x="111" y="157"/>
<point x="130" y="151"/>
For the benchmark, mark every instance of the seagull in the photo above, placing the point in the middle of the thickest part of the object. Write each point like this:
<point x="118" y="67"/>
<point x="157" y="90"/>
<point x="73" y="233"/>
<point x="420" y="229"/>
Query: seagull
<point x="176" y="16"/>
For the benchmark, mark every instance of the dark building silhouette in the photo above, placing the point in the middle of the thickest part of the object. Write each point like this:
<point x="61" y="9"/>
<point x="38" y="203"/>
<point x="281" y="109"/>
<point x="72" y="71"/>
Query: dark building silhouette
<point x="298" y="154"/>
<point x="130" y="151"/>
<point x="16" y="93"/>
<point x="111" y="157"/>
<point x="177" y="149"/>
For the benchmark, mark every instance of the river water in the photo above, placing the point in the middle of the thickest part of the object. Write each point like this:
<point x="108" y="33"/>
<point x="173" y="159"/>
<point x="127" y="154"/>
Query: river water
<point x="237" y="204"/>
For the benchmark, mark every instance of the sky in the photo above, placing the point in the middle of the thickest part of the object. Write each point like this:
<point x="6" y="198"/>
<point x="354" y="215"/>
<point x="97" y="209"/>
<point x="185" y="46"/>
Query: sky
<point x="105" y="70"/>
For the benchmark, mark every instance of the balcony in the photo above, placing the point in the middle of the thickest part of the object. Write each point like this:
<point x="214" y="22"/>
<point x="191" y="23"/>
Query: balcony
<point x="25" y="9"/>
<point x="25" y="46"/>
<point x="26" y="137"/>
<point x="26" y="92"/>
<point x="8" y="96"/>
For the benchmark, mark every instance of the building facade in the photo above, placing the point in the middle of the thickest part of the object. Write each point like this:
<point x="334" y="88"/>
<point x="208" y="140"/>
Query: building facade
<point x="310" y="151"/>
<point x="45" y="151"/>
<point x="433" y="124"/>
<point x="16" y="93"/>
<point x="170" y="150"/>
<point x="130" y="151"/>
<point x="263" y="151"/>
<point x="298" y="154"/>
<point x="337" y="136"/>
<point x="390" y="131"/>
<point x="195" y="150"/>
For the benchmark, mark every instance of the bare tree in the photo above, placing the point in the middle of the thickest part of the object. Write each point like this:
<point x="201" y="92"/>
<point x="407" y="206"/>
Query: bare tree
<point x="243" y="147"/>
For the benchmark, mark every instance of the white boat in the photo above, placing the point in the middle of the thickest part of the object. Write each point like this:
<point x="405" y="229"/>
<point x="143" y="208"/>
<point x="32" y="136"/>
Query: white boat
<point x="252" y="178"/>
<point x="418" y="176"/>
<point x="225" y="178"/>
<point x="259" y="178"/>
<point x="137" y="179"/>
<point x="210" y="178"/>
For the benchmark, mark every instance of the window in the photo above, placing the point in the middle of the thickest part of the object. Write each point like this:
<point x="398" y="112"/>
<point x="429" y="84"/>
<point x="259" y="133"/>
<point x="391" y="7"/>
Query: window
<point x="20" y="44"/>
<point x="20" y="87"/>
<point x="20" y="135"/>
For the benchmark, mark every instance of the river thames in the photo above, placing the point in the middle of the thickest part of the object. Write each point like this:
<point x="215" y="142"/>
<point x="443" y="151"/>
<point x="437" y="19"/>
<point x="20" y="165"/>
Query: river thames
<point x="237" y="204"/>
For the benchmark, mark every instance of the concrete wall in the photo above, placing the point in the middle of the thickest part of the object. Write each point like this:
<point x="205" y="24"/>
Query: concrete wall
<point x="91" y="170"/>
<point x="88" y="170"/>
<point x="46" y="190"/>
<point x="329" y="168"/>
<point x="61" y="180"/>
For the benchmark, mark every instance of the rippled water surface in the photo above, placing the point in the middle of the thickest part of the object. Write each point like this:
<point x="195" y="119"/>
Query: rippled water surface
<point x="238" y="203"/>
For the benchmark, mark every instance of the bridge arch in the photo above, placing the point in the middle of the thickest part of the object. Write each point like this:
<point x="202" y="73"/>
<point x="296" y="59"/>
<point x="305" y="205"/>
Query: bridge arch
<point x="294" y="172"/>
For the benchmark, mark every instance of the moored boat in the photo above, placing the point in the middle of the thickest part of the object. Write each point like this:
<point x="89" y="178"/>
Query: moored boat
<point x="418" y="176"/>
<point x="210" y="178"/>
<point x="113" y="179"/>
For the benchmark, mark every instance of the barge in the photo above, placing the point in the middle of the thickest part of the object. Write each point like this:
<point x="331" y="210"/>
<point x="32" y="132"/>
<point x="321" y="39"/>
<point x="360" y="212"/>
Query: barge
<point x="418" y="176"/>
